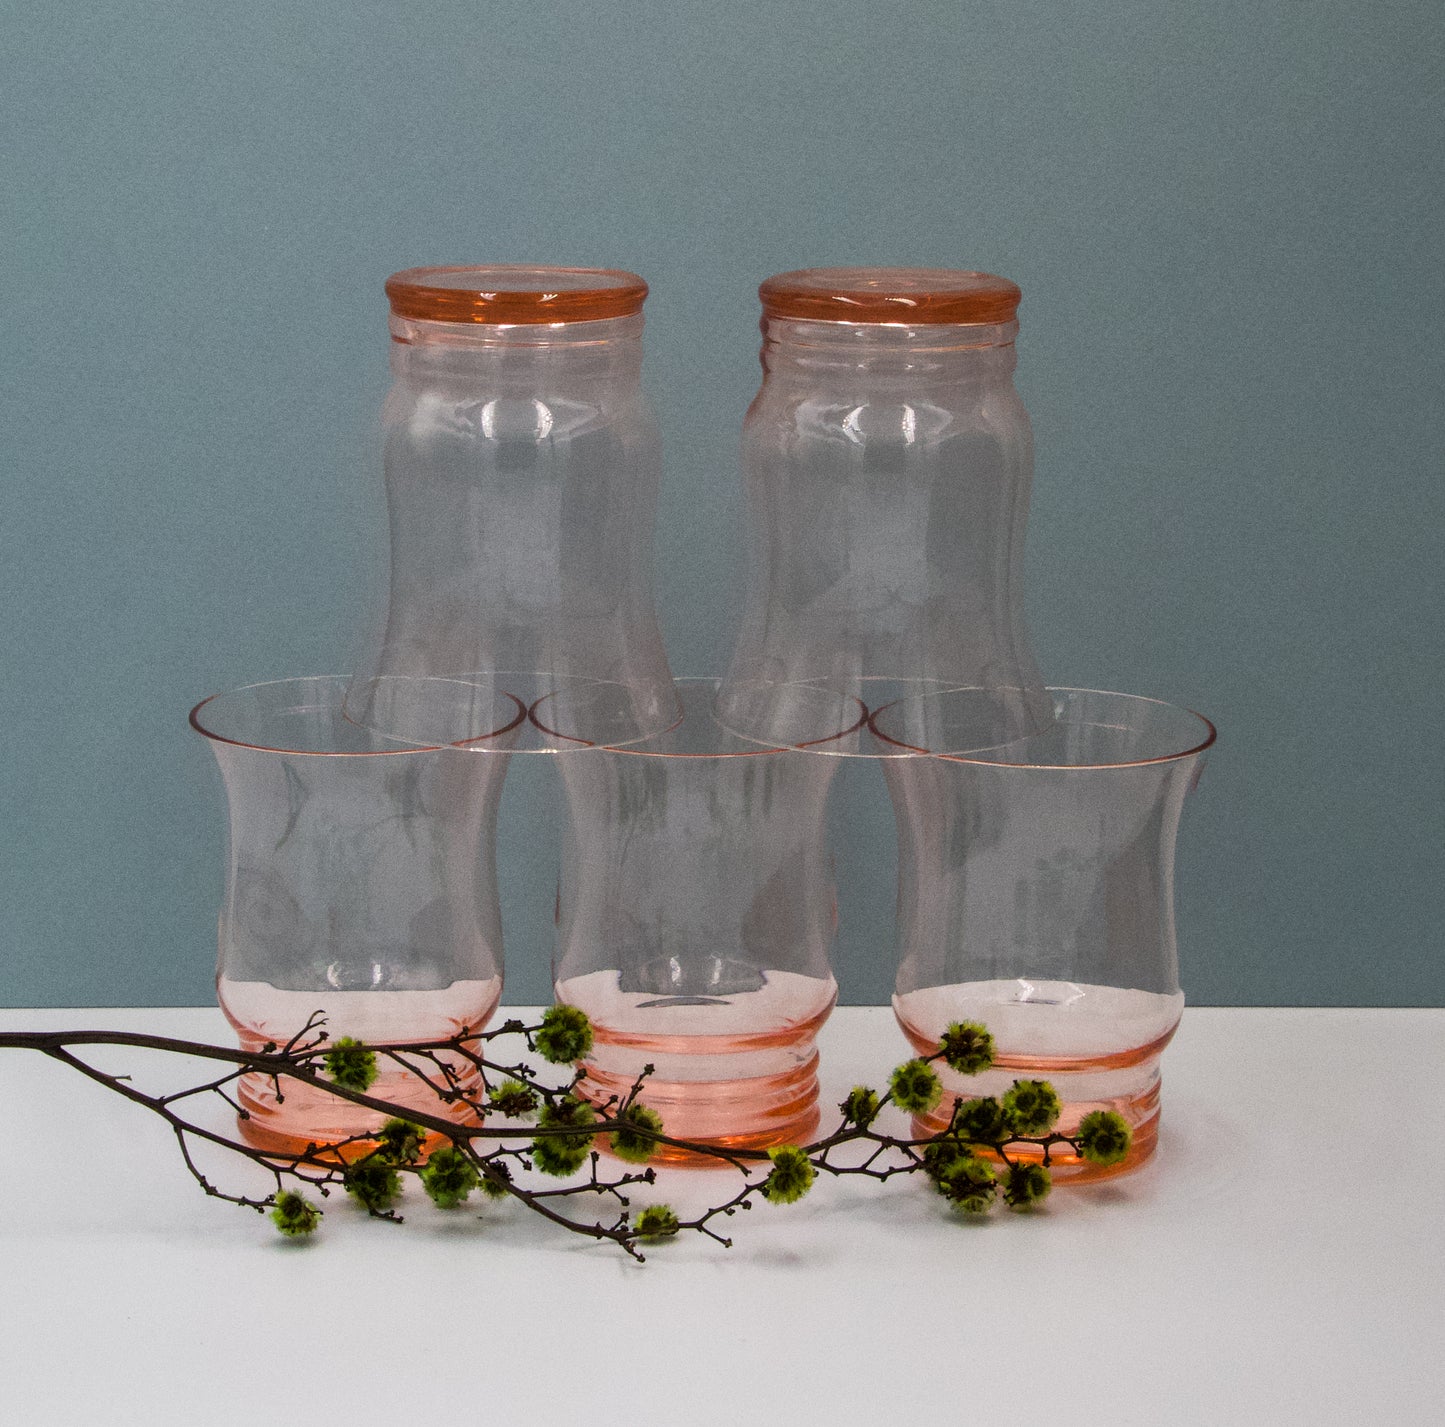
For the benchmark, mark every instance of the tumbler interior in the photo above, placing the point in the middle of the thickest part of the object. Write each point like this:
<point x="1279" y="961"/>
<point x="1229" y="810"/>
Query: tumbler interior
<point x="306" y="715"/>
<point x="914" y="716"/>
<point x="559" y="711"/>
<point x="823" y="719"/>
<point x="1091" y="728"/>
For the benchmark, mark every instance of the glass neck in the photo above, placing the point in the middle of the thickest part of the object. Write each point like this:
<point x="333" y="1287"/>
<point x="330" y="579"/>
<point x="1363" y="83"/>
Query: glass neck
<point x="609" y="349"/>
<point x="937" y="352"/>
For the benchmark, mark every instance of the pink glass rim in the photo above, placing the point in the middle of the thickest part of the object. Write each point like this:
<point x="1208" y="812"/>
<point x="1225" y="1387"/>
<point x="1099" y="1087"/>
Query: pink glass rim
<point x="514" y="294"/>
<point x="195" y="719"/>
<point x="977" y="760"/>
<point x="682" y="686"/>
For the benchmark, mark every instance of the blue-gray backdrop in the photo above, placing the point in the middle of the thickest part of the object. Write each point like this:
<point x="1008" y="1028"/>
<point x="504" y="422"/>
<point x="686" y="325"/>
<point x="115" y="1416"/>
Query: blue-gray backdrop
<point x="1226" y="220"/>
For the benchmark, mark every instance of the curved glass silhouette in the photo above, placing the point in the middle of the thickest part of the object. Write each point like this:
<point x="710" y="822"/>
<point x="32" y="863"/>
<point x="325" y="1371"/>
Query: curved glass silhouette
<point x="695" y="918"/>
<point x="887" y="459"/>
<point x="522" y="465"/>
<point x="360" y="883"/>
<point x="1036" y="895"/>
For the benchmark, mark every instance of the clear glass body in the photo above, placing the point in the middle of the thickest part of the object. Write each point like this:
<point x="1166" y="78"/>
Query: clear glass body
<point x="1036" y="895"/>
<point x="360" y="883"/>
<point x="695" y="919"/>
<point x="522" y="467"/>
<point x="887" y="465"/>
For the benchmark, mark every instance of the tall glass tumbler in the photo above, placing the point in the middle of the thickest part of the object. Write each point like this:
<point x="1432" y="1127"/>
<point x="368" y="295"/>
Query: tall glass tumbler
<point x="887" y="460"/>
<point x="1036" y="895"/>
<point x="695" y="919"/>
<point x="522" y="468"/>
<point x="360" y="883"/>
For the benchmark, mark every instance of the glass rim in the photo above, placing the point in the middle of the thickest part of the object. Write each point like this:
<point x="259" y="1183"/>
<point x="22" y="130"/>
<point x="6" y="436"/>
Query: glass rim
<point x="907" y="296"/>
<point x="635" y="749"/>
<point x="514" y="294"/>
<point x="194" y="718"/>
<point x="974" y="757"/>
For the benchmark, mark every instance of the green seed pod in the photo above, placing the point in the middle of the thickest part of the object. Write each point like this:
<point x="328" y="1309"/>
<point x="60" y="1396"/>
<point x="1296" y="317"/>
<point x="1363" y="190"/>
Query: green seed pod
<point x="915" y="1088"/>
<point x="792" y="1175"/>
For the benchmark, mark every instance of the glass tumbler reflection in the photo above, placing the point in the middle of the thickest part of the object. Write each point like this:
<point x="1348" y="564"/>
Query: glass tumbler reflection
<point x="1036" y="895"/>
<point x="695" y="918"/>
<point x="360" y="884"/>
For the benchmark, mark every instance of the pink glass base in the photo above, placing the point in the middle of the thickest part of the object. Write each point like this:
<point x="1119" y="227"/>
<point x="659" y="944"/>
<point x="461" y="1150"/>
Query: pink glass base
<point x="1127" y="1081"/>
<point x="1141" y="1112"/>
<point x="305" y="1117"/>
<point x="752" y="1114"/>
<point x="288" y="1116"/>
<point x="743" y="1091"/>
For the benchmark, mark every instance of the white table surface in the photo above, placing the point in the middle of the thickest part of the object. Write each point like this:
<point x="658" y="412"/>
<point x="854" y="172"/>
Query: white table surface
<point x="1281" y="1260"/>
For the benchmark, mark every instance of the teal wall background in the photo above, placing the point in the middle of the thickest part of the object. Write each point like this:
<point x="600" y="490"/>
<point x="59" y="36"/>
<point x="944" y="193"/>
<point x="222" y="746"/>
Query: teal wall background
<point x="1226" y="220"/>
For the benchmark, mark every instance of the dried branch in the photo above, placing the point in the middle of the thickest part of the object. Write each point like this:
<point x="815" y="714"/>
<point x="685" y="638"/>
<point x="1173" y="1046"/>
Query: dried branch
<point x="460" y="1146"/>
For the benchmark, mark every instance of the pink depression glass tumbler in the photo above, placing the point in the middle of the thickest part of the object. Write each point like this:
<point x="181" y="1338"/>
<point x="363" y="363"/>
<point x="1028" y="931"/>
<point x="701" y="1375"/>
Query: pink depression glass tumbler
<point x="360" y="885"/>
<point x="695" y="920"/>
<point x="887" y="461"/>
<point x="1036" y="895"/>
<point x="522" y="469"/>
